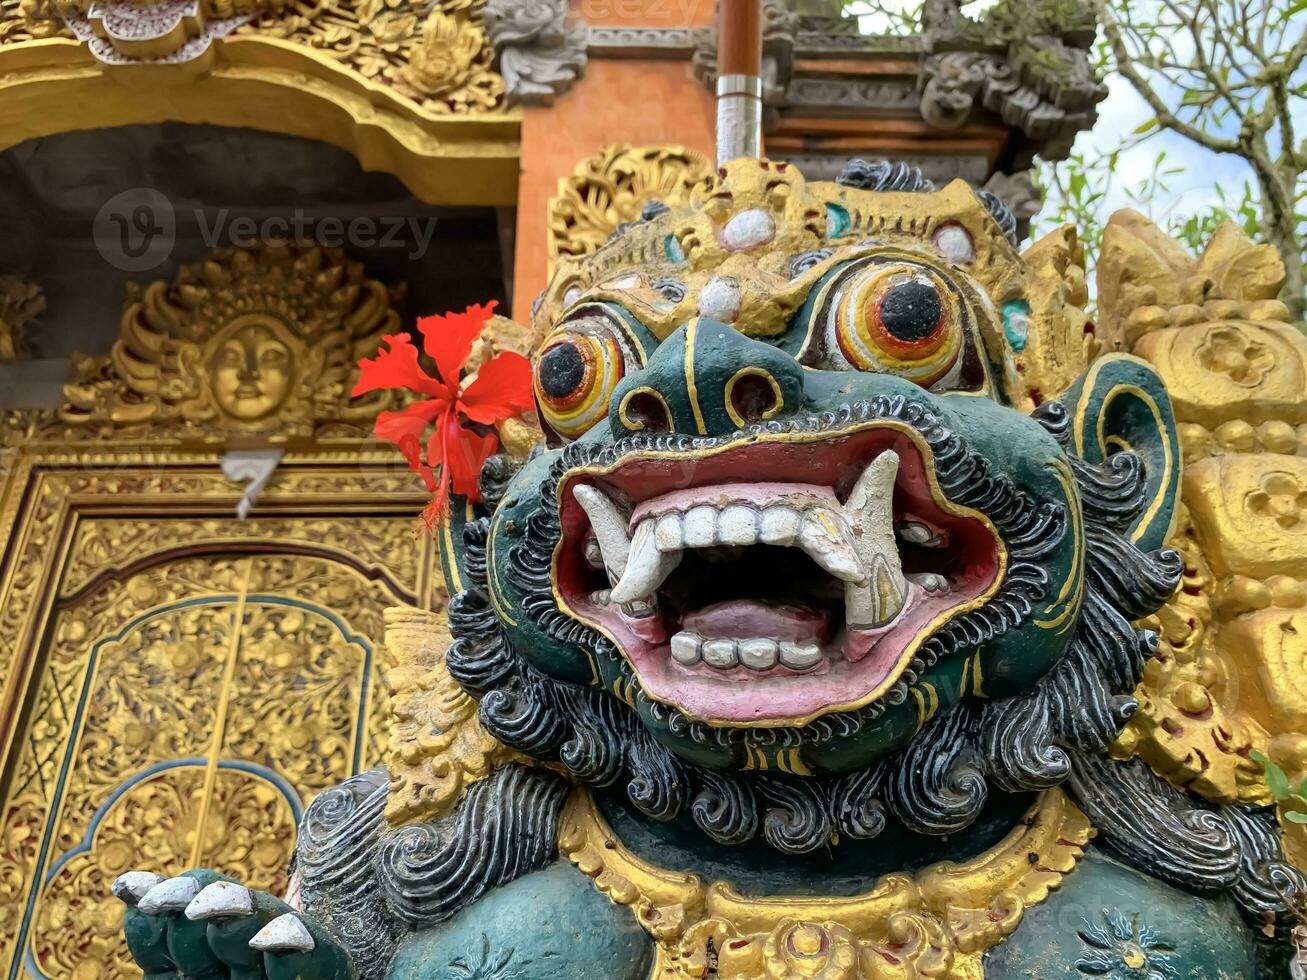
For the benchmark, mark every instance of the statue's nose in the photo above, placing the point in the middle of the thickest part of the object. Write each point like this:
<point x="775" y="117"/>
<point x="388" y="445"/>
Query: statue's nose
<point x="707" y="379"/>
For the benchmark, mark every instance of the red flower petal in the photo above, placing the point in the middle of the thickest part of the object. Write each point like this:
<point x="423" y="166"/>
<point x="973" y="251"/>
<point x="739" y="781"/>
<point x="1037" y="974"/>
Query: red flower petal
<point x="502" y="389"/>
<point x="405" y="429"/>
<point x="448" y="338"/>
<point x="465" y="452"/>
<point x="396" y="368"/>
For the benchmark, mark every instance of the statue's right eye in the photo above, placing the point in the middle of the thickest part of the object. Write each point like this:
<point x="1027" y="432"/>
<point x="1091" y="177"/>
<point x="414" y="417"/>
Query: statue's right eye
<point x="576" y="371"/>
<point x="896" y="320"/>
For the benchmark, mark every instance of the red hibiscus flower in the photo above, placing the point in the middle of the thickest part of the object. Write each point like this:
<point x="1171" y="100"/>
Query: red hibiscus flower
<point x="450" y="458"/>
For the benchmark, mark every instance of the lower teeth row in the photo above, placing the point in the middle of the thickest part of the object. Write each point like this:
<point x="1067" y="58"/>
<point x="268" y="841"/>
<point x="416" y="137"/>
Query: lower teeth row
<point x="757" y="654"/>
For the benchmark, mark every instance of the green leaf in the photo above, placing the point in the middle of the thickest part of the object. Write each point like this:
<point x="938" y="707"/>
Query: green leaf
<point x="1151" y="124"/>
<point x="1275" y="777"/>
<point x="1295" y="816"/>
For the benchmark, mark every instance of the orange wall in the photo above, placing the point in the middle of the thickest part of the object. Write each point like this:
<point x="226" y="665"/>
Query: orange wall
<point x="618" y="101"/>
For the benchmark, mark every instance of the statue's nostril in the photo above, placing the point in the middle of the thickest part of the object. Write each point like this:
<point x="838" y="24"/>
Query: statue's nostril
<point x="645" y="410"/>
<point x="753" y="395"/>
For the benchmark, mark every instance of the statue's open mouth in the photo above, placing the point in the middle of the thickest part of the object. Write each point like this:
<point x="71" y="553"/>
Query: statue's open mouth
<point x="741" y="597"/>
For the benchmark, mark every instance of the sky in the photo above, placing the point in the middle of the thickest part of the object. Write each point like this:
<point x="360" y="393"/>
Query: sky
<point x="1186" y="192"/>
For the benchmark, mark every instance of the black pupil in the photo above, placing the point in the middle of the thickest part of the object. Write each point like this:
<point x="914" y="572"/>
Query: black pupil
<point x="910" y="310"/>
<point x="561" y="370"/>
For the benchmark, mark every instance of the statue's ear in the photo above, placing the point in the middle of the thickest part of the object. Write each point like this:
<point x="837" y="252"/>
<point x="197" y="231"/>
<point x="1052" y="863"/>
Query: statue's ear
<point x="1120" y="404"/>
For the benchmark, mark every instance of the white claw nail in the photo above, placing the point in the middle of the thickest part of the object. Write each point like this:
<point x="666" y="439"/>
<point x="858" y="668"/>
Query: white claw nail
<point x="131" y="887"/>
<point x="284" y="934"/>
<point x="221" y="899"/>
<point x="171" y="895"/>
<point x="609" y="524"/>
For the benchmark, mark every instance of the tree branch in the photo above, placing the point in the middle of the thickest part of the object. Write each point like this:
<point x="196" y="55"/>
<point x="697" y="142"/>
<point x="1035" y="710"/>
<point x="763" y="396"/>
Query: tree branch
<point x="1288" y="149"/>
<point x="1167" y="118"/>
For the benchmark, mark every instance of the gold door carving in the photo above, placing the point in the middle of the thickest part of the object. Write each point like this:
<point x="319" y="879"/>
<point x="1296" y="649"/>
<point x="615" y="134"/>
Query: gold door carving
<point x="176" y="684"/>
<point x="183" y="716"/>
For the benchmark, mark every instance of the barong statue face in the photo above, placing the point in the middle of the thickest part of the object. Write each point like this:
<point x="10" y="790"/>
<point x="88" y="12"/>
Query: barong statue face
<point x="792" y="522"/>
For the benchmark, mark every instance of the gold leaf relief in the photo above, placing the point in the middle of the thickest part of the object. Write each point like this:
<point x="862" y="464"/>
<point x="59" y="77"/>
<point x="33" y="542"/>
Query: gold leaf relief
<point x="21" y="302"/>
<point x="1060" y="343"/>
<point x="249" y="829"/>
<point x="610" y="188"/>
<point x="436" y="55"/>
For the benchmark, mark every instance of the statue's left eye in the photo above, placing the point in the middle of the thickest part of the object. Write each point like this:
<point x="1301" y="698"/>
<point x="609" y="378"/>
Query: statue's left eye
<point x="576" y="371"/>
<point x="898" y="321"/>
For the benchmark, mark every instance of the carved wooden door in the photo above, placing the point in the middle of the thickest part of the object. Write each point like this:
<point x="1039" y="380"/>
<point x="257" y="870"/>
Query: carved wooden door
<point x="191" y="682"/>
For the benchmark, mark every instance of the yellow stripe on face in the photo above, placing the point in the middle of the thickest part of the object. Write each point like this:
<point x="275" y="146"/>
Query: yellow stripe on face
<point x="692" y="389"/>
<point x="1075" y="579"/>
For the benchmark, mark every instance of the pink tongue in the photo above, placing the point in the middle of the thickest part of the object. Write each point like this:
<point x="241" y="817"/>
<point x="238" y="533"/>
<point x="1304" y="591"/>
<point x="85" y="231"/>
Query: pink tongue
<point x="745" y="619"/>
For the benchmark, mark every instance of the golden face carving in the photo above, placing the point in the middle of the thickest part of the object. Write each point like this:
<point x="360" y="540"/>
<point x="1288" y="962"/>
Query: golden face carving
<point x="251" y="367"/>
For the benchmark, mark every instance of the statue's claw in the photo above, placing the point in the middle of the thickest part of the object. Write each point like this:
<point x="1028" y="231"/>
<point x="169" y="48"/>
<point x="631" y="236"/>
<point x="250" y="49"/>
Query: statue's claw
<point x="284" y="934"/>
<point x="222" y="899"/>
<point x="130" y="887"/>
<point x="171" y="895"/>
<point x="204" y="926"/>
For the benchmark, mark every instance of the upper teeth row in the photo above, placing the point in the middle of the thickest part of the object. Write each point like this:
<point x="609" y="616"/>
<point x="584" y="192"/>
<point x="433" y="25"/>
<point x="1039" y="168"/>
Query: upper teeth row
<point x="821" y="531"/>
<point x="853" y="542"/>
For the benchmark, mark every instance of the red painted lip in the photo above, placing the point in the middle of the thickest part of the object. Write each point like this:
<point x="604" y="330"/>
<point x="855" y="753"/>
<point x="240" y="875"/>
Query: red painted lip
<point x="971" y="559"/>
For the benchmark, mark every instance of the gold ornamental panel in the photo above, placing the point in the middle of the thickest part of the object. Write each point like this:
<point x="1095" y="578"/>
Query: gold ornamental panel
<point x="1249" y="512"/>
<point x="1232" y="369"/>
<point x="1273" y="666"/>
